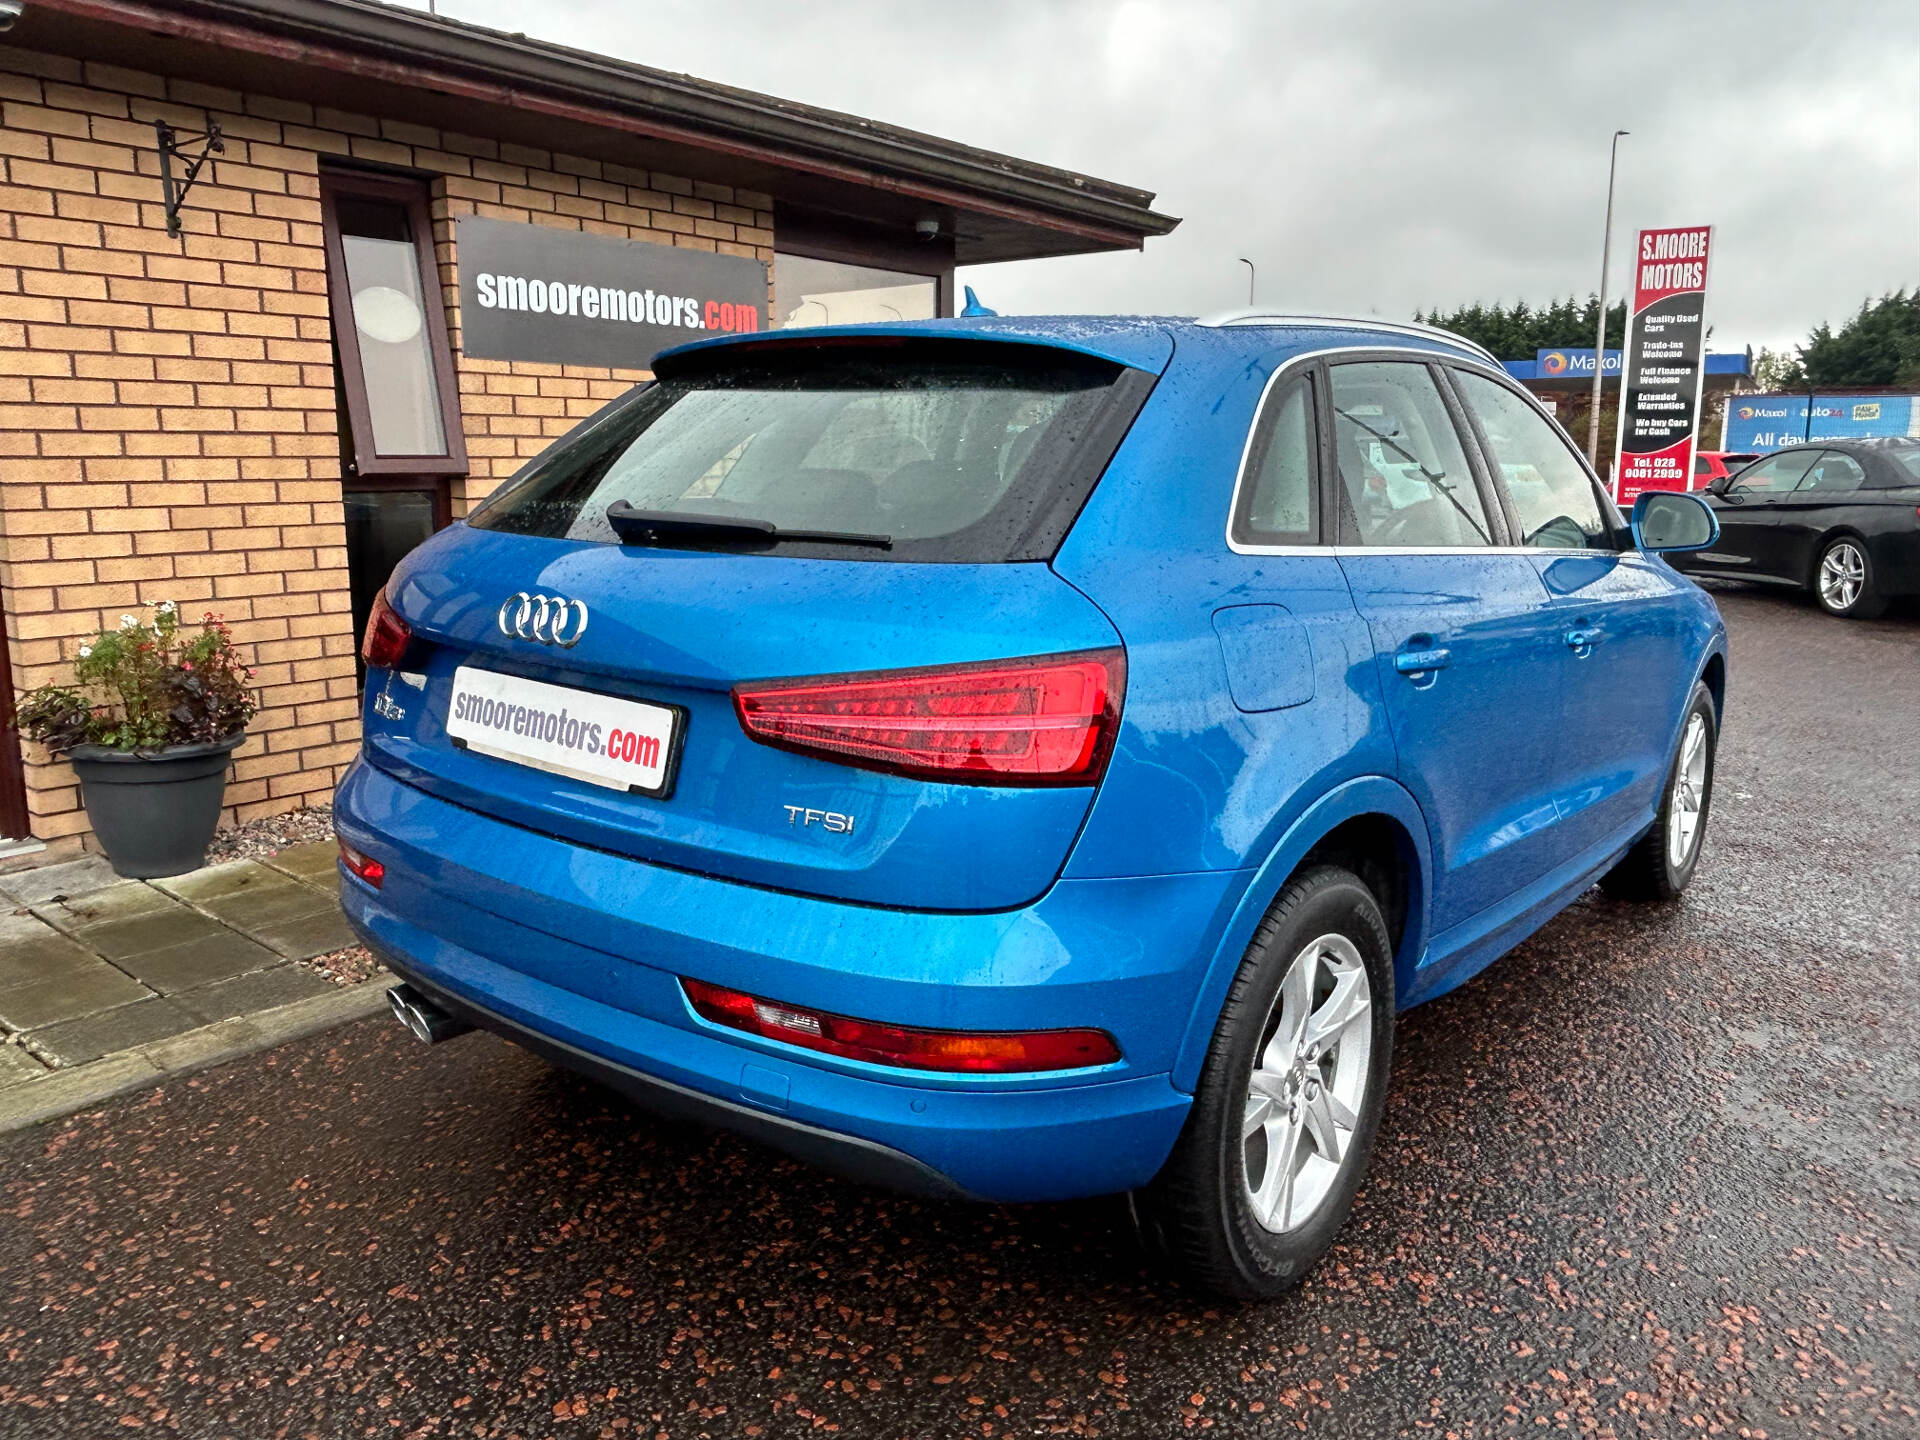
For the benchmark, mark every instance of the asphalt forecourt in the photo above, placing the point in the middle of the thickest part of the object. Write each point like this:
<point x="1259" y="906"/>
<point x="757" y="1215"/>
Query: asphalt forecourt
<point x="1656" y="1173"/>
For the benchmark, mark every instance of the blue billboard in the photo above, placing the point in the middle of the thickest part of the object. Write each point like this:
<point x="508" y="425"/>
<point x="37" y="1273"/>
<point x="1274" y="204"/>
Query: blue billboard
<point x="1577" y="364"/>
<point x="1772" y="422"/>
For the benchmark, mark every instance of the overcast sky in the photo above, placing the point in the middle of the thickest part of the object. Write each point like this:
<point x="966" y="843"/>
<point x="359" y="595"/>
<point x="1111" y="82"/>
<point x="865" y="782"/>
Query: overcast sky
<point x="1373" y="157"/>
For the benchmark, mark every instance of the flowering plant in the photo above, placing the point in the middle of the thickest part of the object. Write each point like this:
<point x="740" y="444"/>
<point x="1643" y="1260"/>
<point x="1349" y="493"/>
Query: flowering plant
<point x="145" y="687"/>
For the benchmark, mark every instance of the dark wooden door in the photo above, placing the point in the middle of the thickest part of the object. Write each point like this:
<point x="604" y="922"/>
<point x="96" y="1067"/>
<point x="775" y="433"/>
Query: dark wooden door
<point x="13" y="781"/>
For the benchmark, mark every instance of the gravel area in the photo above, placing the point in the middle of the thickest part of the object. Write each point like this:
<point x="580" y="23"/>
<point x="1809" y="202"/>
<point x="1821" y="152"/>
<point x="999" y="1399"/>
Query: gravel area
<point x="344" y="967"/>
<point x="258" y="839"/>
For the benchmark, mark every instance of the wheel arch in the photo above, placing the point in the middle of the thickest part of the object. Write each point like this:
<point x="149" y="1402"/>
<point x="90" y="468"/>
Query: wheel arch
<point x="1713" y="675"/>
<point x="1370" y="823"/>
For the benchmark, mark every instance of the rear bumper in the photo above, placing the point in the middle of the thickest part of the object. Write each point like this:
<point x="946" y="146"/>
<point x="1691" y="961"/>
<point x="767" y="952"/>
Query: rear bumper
<point x="847" y="1155"/>
<point x="576" y="954"/>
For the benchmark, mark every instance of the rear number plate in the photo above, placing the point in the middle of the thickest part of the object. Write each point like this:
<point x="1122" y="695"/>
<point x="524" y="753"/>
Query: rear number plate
<point x="601" y="739"/>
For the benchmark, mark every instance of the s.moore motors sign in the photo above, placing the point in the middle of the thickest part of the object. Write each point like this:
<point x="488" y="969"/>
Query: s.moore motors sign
<point x="1666" y="362"/>
<point x="567" y="297"/>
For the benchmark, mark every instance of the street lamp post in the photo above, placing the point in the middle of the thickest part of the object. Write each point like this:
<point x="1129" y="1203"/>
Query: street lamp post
<point x="1600" y="328"/>
<point x="1249" y="264"/>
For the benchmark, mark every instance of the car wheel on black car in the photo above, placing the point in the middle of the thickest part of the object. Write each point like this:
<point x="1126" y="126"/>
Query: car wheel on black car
<point x="1844" y="582"/>
<point x="1289" y="1099"/>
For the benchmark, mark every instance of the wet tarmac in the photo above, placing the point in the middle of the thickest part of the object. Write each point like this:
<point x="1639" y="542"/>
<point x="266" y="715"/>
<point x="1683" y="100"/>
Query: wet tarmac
<point x="1655" y="1173"/>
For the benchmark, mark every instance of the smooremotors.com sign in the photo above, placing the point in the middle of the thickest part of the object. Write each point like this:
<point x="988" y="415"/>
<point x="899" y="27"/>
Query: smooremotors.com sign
<point x="567" y="297"/>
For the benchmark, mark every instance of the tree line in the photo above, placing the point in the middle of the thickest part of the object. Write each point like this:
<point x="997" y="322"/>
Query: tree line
<point x="1515" y="332"/>
<point x="1878" y="347"/>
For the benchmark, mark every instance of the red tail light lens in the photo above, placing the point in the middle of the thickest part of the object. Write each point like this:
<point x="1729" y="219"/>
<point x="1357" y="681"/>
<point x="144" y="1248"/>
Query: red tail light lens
<point x="365" y="866"/>
<point x="386" y="638"/>
<point x="1047" y="721"/>
<point x="997" y="1052"/>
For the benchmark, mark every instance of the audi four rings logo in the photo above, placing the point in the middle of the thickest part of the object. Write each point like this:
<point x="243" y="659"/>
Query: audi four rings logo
<point x="548" y="619"/>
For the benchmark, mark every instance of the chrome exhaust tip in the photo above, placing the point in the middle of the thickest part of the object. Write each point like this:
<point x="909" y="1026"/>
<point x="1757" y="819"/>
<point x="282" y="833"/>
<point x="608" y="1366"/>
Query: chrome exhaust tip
<point x="425" y="1021"/>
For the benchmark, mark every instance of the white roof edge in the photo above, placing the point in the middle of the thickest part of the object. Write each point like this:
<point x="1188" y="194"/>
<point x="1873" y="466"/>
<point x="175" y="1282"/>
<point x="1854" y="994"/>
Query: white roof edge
<point x="1257" y="316"/>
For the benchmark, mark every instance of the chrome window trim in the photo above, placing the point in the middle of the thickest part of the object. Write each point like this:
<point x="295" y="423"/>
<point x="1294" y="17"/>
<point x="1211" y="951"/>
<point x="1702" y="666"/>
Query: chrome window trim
<point x="1493" y="371"/>
<point x="1358" y="550"/>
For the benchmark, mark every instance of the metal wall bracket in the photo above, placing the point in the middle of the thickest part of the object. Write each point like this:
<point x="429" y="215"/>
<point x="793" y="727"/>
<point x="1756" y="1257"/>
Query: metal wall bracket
<point x="173" y="193"/>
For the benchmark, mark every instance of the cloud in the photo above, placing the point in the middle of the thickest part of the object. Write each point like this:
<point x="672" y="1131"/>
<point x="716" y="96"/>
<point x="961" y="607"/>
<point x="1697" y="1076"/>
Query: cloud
<point x="1374" y="157"/>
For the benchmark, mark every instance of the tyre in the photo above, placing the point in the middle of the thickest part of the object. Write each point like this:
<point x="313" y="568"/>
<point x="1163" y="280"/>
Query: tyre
<point x="1662" y="861"/>
<point x="1844" y="582"/>
<point x="1289" y="1099"/>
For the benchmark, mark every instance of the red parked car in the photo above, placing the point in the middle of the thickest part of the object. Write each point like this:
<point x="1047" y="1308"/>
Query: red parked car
<point x="1712" y="465"/>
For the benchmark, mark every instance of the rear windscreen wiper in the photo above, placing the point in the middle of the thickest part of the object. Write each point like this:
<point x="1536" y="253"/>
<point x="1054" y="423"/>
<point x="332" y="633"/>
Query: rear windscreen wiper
<point x="671" y="527"/>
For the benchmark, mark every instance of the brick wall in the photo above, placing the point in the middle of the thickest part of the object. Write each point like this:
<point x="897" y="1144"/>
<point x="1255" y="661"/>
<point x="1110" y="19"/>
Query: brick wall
<point x="168" y="425"/>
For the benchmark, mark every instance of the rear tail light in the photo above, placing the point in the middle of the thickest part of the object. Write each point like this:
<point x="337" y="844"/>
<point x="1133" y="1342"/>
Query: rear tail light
<point x="365" y="866"/>
<point x="386" y="638"/>
<point x="1045" y="721"/>
<point x="997" y="1052"/>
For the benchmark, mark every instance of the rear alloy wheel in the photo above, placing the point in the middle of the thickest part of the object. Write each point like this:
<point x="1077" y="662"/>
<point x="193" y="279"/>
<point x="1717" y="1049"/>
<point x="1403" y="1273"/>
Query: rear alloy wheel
<point x="1663" y="860"/>
<point x="1308" y="1084"/>
<point x="1289" y="1099"/>
<point x="1843" y="583"/>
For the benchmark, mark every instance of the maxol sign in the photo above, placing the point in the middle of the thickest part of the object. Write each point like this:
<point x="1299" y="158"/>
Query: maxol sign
<point x="1772" y="422"/>
<point x="1565" y="364"/>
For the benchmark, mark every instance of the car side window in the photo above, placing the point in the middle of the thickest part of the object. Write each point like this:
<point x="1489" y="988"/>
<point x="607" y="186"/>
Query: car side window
<point x="1279" y="494"/>
<point x="1833" y="472"/>
<point x="1404" y="477"/>
<point x="1557" y="505"/>
<point x="1774" y="475"/>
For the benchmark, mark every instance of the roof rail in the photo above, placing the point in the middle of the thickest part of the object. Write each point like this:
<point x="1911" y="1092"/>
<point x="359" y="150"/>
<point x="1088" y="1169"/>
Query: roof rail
<point x="1343" y="322"/>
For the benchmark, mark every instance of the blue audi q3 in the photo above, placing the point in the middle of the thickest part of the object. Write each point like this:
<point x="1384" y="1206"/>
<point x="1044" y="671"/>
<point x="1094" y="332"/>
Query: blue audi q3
<point x="1026" y="759"/>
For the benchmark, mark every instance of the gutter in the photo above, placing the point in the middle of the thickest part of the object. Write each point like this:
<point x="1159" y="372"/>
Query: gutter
<point x="419" y="51"/>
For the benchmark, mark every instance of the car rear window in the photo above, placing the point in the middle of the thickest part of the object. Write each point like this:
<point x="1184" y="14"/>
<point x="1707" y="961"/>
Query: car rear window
<point x="977" y="452"/>
<point x="1907" y="457"/>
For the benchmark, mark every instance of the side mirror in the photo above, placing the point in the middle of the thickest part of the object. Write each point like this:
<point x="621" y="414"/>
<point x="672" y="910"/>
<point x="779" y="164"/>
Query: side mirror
<point x="1673" y="520"/>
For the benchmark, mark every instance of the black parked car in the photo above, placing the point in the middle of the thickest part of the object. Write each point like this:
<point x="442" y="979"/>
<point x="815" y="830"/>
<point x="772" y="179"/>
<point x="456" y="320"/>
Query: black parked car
<point x="1840" y="518"/>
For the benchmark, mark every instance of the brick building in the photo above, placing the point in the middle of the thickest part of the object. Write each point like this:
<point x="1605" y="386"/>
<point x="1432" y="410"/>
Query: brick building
<point x="198" y="416"/>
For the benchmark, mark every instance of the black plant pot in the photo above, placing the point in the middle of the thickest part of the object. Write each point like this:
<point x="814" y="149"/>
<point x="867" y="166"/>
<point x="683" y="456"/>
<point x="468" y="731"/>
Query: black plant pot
<point x="154" y="813"/>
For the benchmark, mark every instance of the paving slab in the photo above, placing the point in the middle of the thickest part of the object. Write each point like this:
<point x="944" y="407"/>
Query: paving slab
<point x="75" y="913"/>
<point x="73" y="877"/>
<point x="199" y="962"/>
<point x="121" y="939"/>
<point x="31" y="952"/>
<point x="93" y="985"/>
<point x="320" y="933"/>
<point x="74" y="1042"/>
<point x="260" y="906"/>
<point x="317" y="863"/>
<point x="245" y="994"/>
<point x="17" y="1066"/>
<point x="214" y="882"/>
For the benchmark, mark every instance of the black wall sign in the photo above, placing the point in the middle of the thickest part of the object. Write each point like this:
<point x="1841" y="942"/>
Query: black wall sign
<point x="567" y="297"/>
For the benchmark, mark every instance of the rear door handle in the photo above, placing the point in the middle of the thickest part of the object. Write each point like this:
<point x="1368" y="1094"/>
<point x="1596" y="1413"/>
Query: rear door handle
<point x="1583" y="637"/>
<point x="1422" y="662"/>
